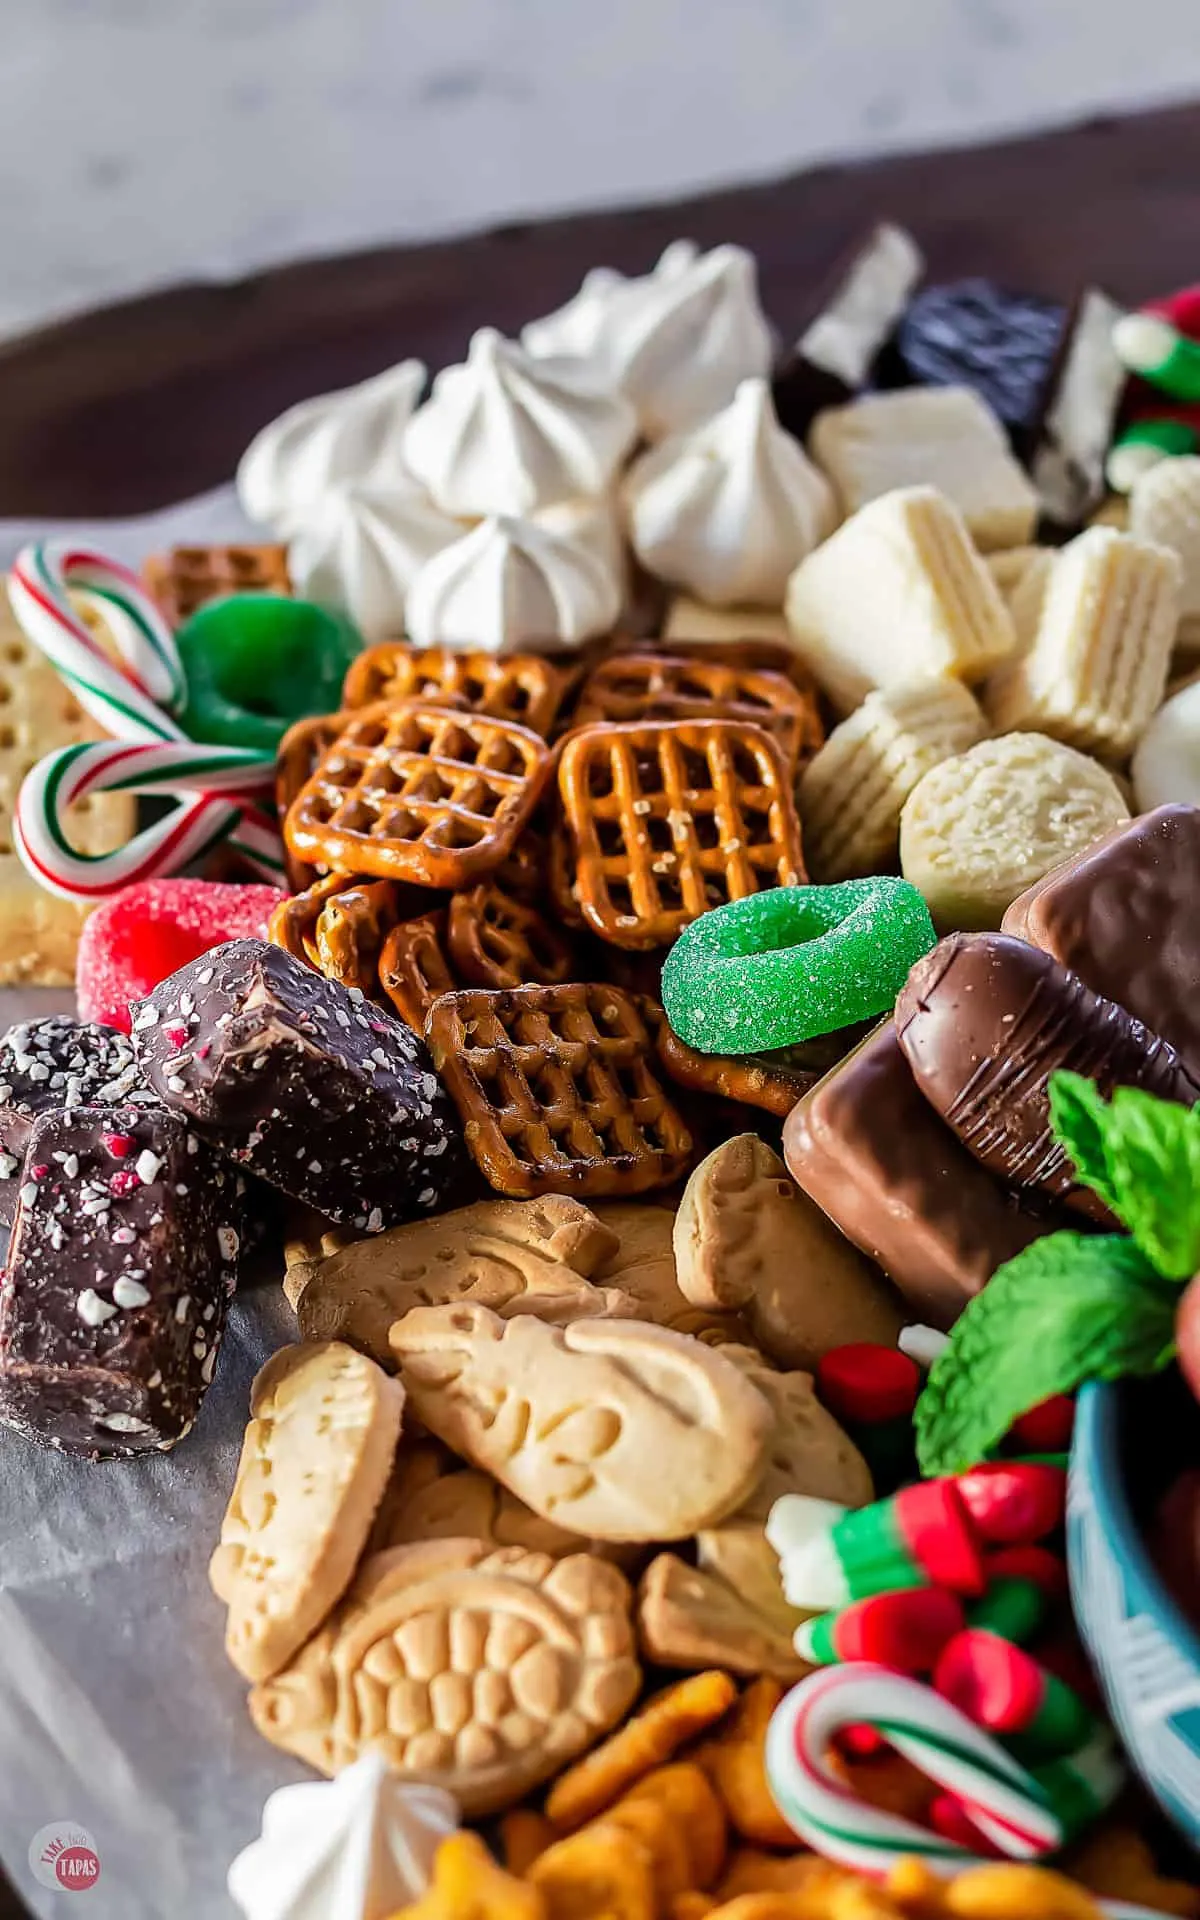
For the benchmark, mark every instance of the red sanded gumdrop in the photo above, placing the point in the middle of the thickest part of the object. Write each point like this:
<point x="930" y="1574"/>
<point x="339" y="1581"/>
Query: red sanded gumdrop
<point x="147" y="931"/>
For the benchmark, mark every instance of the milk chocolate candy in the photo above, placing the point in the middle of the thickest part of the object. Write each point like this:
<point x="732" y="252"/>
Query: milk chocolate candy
<point x="124" y="1253"/>
<point x="304" y="1082"/>
<point x="53" y="1063"/>
<point x="985" y="1019"/>
<point x="1125" y="916"/>
<point x="872" y="1153"/>
<point x="849" y="320"/>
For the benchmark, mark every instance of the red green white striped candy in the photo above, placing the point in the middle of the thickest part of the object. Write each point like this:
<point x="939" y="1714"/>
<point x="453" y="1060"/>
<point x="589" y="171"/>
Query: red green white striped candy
<point x="133" y="702"/>
<point x="1150" y="345"/>
<point x="214" y="787"/>
<point x="827" y="1813"/>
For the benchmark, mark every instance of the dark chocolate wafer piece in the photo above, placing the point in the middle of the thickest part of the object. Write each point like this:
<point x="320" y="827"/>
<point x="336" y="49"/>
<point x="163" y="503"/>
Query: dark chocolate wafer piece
<point x="972" y="333"/>
<point x="124" y="1253"/>
<point x="872" y="1153"/>
<point x="985" y="1019"/>
<point x="304" y="1082"/>
<point x="1125" y="916"/>
<point x="59" y="1062"/>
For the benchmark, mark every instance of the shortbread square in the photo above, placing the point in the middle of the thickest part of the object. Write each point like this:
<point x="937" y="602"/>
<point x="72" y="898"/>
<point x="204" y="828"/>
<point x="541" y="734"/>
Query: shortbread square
<point x="898" y="593"/>
<point x="944" y="437"/>
<point x="1165" y="507"/>
<point x="1097" y="666"/>
<point x="851" y="794"/>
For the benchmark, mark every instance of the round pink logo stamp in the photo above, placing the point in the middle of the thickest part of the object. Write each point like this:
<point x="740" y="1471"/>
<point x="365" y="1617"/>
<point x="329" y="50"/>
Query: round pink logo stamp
<point x="63" y="1857"/>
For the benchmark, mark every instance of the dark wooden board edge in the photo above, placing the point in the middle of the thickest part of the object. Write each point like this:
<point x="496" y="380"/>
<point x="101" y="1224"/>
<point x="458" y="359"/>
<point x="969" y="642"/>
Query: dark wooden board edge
<point x="135" y="406"/>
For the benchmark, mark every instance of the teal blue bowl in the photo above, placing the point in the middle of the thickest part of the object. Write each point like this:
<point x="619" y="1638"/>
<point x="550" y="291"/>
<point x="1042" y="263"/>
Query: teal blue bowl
<point x="1145" y="1651"/>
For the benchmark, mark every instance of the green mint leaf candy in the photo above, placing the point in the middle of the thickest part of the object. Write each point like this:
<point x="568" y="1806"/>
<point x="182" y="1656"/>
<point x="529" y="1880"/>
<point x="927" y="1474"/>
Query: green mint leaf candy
<point x="1079" y="1116"/>
<point x="1069" y="1308"/>
<point x="1154" y="1161"/>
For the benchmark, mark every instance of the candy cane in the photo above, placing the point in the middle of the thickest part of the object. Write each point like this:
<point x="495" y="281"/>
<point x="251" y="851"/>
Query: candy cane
<point x="133" y="702"/>
<point x="215" y="781"/>
<point x="927" y="1730"/>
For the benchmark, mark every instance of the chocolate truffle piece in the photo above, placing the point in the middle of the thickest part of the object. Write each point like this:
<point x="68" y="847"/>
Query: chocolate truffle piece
<point x="1125" y="916"/>
<point x="850" y="317"/>
<point x="984" y="1020"/>
<point x="872" y="1153"/>
<point x="304" y="1083"/>
<point x="53" y="1063"/>
<point x="969" y="333"/>
<point x="123" y="1256"/>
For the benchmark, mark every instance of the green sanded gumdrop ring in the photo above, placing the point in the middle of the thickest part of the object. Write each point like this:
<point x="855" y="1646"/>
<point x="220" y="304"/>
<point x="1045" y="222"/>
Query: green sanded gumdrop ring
<point x="255" y="662"/>
<point x="784" y="966"/>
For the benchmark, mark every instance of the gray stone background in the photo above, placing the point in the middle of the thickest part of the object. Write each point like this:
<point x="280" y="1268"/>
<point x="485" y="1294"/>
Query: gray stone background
<point x="142" y="141"/>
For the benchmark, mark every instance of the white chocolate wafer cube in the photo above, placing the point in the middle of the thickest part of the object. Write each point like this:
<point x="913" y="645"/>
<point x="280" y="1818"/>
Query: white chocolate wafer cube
<point x="1165" y="507"/>
<point x="944" y="437"/>
<point x="689" y="619"/>
<point x="898" y="593"/>
<point x="1097" y="665"/>
<point x="850" y="795"/>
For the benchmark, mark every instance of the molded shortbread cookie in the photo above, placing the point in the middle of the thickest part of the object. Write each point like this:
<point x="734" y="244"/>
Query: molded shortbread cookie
<point x="851" y="792"/>
<point x="689" y="619"/>
<point x="41" y="931"/>
<point x="981" y="828"/>
<point x="315" y="1460"/>
<point x="945" y="437"/>
<point x="1097" y="664"/>
<point x="898" y="593"/>
<point x="746" y="1238"/>
<point x="568" y="1417"/>
<point x="481" y="1670"/>
<point x="1165" y="507"/>
<point x="516" y="1256"/>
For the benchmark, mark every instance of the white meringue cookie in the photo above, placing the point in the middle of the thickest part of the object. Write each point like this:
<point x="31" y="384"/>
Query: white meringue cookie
<point x="363" y="547"/>
<point x="511" y="584"/>
<point x="506" y="433"/>
<point x="352" y="435"/>
<point x="675" y="341"/>
<point x="354" y="1848"/>
<point x="730" y="510"/>
<point x="593" y="523"/>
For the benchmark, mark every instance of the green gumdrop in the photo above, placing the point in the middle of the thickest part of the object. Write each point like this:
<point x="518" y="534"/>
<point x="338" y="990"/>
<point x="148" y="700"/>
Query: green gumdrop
<point x="256" y="662"/>
<point x="781" y="967"/>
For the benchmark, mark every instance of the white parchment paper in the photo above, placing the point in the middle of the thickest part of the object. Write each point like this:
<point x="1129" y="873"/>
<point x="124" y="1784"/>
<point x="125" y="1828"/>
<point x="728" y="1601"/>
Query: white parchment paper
<point x="118" y="1709"/>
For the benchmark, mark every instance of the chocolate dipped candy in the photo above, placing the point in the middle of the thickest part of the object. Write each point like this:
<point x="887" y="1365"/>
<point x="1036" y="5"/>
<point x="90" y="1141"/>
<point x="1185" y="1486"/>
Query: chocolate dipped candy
<point x="1125" y="916"/>
<point x="303" y="1082"/>
<point x="971" y="333"/>
<point x="985" y="1019"/>
<point x="849" y="319"/>
<point x="875" y="1157"/>
<point x="53" y="1063"/>
<point x="123" y="1256"/>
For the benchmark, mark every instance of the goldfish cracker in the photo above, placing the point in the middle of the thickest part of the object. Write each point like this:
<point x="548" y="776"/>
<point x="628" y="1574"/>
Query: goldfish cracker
<point x="645" y="1742"/>
<point x="468" y="1884"/>
<point x="603" y="1872"/>
<point x="733" y="1760"/>
<point x="524" y="1836"/>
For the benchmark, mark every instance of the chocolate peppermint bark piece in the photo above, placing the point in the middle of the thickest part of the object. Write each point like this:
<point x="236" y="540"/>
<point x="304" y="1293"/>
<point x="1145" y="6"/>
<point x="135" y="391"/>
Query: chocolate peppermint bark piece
<point x="55" y="1063"/>
<point x="870" y="1150"/>
<point x="850" y="318"/>
<point x="1125" y="916"/>
<point x="985" y="1019"/>
<point x="303" y="1082"/>
<point x="124" y="1253"/>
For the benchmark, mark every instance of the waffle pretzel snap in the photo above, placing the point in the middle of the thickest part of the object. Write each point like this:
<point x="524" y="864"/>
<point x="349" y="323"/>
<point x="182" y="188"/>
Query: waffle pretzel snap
<point x="557" y="1090"/>
<point x="297" y="757"/>
<point x="410" y="791"/>
<point x="338" y="926"/>
<point x="670" y="686"/>
<point x="521" y="687"/>
<point x="495" y="939"/>
<point x="413" y="969"/>
<point x="184" y="579"/>
<point x="665" y="819"/>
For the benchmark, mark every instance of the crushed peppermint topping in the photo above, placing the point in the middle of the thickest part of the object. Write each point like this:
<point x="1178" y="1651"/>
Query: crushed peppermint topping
<point x="118" y="1144"/>
<point x="129" y="1293"/>
<point x="146" y="1166"/>
<point x="227" y="1243"/>
<point x="92" y="1310"/>
<point x="28" y="1193"/>
<point x="8" y="1165"/>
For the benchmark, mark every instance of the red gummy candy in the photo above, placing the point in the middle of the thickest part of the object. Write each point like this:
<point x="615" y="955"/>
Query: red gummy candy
<point x="863" y="1383"/>
<point x="1014" y="1504"/>
<point x="1046" y="1428"/>
<point x="147" y="931"/>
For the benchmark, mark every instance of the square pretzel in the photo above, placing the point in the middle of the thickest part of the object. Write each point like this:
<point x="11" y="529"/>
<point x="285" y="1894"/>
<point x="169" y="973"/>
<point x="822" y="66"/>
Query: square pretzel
<point x="675" y="686"/>
<point x="413" y="970"/>
<point x="297" y="758"/>
<point x="497" y="940"/>
<point x="557" y="1090"/>
<point x="666" y="819"/>
<point x="337" y="926"/>
<point x="409" y="791"/>
<point x="521" y="687"/>
<point x="186" y="578"/>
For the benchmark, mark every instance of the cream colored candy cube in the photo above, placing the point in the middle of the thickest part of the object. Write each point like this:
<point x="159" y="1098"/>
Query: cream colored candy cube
<point x="689" y="619"/>
<point x="898" y="593"/>
<point x="1165" y="507"/>
<point x="1096" y="667"/>
<point x="944" y="437"/>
